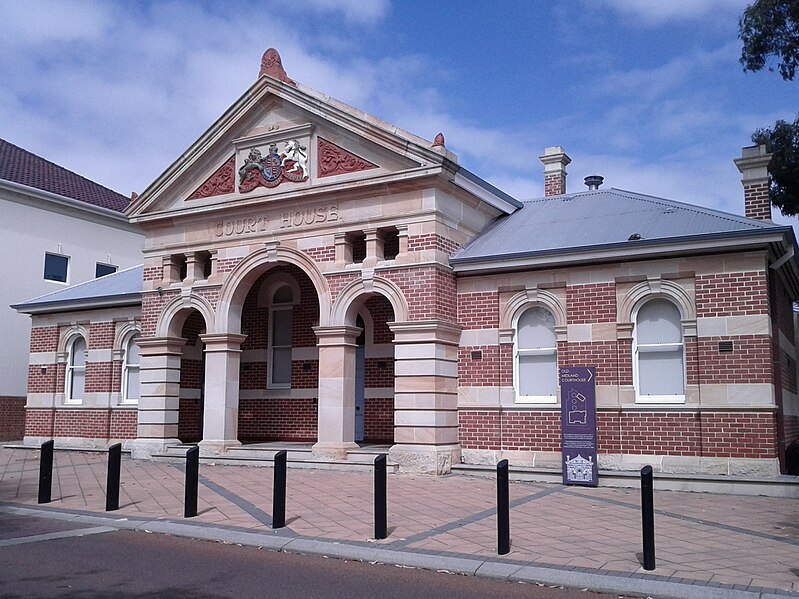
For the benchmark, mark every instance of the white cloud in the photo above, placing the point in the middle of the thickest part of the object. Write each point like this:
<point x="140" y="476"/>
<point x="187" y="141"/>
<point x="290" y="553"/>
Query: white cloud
<point x="354" y="11"/>
<point x="658" y="12"/>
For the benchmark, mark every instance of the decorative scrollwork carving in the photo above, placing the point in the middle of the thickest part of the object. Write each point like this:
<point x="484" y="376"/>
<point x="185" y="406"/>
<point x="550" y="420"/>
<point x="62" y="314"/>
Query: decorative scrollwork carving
<point x="334" y="160"/>
<point x="220" y="183"/>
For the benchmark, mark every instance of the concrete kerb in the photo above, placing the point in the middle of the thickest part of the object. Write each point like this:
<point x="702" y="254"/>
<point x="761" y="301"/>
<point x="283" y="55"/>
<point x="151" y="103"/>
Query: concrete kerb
<point x="607" y="583"/>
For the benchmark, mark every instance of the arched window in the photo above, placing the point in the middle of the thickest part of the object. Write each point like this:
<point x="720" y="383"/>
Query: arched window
<point x="659" y="357"/>
<point x="130" y="371"/>
<point x="536" y="357"/>
<point x="75" y="378"/>
<point x="281" y="310"/>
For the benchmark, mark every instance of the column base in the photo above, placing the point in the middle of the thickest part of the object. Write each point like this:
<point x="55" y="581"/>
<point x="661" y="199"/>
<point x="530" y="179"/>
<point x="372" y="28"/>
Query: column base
<point x="425" y="459"/>
<point x="210" y="448"/>
<point x="332" y="451"/>
<point x="143" y="449"/>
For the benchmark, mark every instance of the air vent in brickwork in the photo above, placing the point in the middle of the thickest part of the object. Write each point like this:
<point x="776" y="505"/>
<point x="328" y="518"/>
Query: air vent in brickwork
<point x="725" y="347"/>
<point x="477" y="354"/>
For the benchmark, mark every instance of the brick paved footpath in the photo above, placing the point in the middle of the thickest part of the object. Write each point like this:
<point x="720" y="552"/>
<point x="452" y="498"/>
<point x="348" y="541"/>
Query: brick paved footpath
<point x="720" y="542"/>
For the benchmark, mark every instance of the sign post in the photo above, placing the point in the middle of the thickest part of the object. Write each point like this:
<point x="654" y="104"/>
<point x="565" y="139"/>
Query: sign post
<point x="578" y="425"/>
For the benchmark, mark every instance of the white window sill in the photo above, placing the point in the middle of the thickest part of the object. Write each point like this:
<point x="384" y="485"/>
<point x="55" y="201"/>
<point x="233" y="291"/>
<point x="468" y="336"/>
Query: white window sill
<point x="660" y="399"/>
<point x="537" y="399"/>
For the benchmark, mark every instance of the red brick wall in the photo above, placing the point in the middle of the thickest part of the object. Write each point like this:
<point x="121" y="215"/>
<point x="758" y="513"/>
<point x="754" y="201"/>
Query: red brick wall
<point x="735" y="294"/>
<point x="44" y="339"/>
<point x="82" y="422"/>
<point x="262" y="420"/>
<point x="378" y="420"/>
<point x="12" y="418"/>
<point x="482" y="372"/>
<point x="190" y="420"/>
<point x="707" y="434"/>
<point x="123" y="424"/>
<point x="429" y="290"/>
<point x="591" y="303"/>
<point x="478" y="310"/>
<point x="39" y="422"/>
<point x="99" y="376"/>
<point x="325" y="253"/>
<point x="431" y="241"/>
<point x="750" y="361"/>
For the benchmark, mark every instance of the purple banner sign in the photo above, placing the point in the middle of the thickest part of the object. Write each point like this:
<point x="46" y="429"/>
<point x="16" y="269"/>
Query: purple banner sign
<point x="578" y="425"/>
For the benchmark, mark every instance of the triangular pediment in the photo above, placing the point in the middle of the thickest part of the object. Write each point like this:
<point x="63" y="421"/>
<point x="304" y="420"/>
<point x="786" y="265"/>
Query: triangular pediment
<point x="285" y="141"/>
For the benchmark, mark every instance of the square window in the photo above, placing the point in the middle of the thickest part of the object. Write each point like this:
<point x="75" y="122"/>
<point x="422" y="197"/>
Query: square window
<point x="55" y="267"/>
<point x="100" y="270"/>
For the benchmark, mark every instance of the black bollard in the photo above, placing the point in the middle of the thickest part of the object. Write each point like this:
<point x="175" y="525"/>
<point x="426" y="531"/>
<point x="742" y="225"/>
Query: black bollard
<point x="46" y="472"/>
<point x="192" y="482"/>
<point x="112" y="482"/>
<point x="648" y="517"/>
<point x="381" y="511"/>
<point x="503" y="509"/>
<point x="279" y="491"/>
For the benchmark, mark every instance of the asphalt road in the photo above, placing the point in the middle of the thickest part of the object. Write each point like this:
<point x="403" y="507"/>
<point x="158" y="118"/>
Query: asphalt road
<point x="52" y="558"/>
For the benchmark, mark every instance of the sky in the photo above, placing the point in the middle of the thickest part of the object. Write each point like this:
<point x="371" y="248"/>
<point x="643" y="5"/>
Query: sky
<point x="647" y="93"/>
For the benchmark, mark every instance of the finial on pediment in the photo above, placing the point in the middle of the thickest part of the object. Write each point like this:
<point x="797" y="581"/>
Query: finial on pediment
<point x="133" y="196"/>
<point x="272" y="65"/>
<point x="438" y="142"/>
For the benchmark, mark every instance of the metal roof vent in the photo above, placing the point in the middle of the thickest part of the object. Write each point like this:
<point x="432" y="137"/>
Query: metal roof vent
<point x="634" y="237"/>
<point x="594" y="181"/>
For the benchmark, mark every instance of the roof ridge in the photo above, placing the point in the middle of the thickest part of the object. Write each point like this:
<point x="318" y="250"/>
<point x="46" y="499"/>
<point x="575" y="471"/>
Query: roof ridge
<point x="730" y="216"/>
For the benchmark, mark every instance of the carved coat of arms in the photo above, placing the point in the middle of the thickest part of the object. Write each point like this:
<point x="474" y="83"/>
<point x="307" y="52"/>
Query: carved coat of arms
<point x="274" y="168"/>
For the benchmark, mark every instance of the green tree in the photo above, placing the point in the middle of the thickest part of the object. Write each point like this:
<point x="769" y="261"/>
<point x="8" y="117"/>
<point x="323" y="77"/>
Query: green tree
<point x="770" y="29"/>
<point x="782" y="140"/>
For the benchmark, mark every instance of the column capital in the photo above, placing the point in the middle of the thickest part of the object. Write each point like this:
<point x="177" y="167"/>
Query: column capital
<point x="222" y="341"/>
<point x="336" y="335"/>
<point x="155" y="346"/>
<point x="418" y="331"/>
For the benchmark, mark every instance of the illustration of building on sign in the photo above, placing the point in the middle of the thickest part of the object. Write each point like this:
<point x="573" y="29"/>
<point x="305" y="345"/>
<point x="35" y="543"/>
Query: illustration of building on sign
<point x="578" y="469"/>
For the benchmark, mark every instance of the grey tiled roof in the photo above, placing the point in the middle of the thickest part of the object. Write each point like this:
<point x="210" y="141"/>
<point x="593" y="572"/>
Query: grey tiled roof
<point x="23" y="167"/>
<point x="121" y="285"/>
<point x="593" y="219"/>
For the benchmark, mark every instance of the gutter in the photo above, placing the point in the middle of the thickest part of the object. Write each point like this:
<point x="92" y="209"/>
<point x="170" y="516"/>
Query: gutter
<point x="66" y="201"/>
<point x="85" y="303"/>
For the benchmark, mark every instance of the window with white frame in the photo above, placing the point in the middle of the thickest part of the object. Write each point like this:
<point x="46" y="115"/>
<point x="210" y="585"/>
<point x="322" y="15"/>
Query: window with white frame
<point x="281" y="309"/>
<point x="130" y="371"/>
<point x="659" y="355"/>
<point x="536" y="357"/>
<point x="75" y="378"/>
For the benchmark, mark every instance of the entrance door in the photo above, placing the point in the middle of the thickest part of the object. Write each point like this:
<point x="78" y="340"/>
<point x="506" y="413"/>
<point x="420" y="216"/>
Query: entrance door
<point x="360" y="368"/>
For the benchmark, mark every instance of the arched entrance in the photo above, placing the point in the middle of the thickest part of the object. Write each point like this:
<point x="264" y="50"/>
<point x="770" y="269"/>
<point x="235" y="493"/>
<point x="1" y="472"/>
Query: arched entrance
<point x="192" y="380"/>
<point x="278" y="377"/>
<point x="374" y="373"/>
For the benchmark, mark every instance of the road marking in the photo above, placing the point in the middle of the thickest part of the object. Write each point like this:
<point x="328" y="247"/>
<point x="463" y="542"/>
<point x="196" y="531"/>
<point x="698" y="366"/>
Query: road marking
<point x="94" y="530"/>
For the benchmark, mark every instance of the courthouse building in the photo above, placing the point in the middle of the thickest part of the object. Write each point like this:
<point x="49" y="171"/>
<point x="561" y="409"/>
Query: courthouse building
<point x="312" y="274"/>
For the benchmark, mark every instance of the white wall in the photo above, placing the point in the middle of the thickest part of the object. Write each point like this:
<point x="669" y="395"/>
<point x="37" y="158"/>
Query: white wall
<point x="29" y="227"/>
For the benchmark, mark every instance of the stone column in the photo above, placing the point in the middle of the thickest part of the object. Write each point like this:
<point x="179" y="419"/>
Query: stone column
<point x="336" y="432"/>
<point x="374" y="248"/>
<point x="159" y="376"/>
<point x="343" y="250"/>
<point x="425" y="396"/>
<point x="221" y="392"/>
<point x="194" y="268"/>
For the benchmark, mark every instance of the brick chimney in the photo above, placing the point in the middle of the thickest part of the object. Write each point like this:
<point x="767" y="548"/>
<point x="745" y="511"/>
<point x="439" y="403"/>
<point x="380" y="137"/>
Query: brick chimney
<point x="753" y="165"/>
<point x="555" y="162"/>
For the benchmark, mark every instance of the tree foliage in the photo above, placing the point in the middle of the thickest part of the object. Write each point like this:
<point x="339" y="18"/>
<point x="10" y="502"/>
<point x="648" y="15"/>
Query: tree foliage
<point x="770" y="28"/>
<point x="782" y="141"/>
